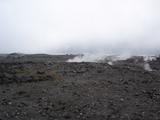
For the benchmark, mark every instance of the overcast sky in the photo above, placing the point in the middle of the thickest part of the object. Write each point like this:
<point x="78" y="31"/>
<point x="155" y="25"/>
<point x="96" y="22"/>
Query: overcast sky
<point x="78" y="26"/>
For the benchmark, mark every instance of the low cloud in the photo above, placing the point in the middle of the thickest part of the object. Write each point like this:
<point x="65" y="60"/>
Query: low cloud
<point x="80" y="27"/>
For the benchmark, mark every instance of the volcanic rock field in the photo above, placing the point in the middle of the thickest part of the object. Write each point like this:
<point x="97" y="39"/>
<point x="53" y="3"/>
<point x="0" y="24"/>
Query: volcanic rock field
<point x="47" y="87"/>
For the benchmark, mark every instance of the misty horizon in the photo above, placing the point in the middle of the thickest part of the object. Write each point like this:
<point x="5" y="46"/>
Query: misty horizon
<point x="79" y="27"/>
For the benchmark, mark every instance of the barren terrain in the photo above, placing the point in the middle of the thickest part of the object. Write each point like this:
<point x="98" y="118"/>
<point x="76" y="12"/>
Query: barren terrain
<point x="43" y="87"/>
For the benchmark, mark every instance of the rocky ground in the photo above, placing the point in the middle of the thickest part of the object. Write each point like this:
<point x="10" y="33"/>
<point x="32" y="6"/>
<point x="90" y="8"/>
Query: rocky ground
<point x="51" y="90"/>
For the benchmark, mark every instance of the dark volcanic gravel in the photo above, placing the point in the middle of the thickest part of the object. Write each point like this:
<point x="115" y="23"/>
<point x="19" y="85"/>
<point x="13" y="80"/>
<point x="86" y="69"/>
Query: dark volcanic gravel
<point x="78" y="91"/>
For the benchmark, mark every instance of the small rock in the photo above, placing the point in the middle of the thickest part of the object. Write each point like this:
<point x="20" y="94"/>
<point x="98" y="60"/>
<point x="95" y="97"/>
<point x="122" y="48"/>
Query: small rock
<point x="9" y="103"/>
<point x="81" y="114"/>
<point x="122" y="99"/>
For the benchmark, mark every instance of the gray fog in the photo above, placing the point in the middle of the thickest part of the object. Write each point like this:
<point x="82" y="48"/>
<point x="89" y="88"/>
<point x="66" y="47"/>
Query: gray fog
<point x="80" y="26"/>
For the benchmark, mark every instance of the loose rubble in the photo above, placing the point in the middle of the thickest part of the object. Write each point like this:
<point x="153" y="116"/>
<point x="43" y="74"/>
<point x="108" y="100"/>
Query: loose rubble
<point x="79" y="91"/>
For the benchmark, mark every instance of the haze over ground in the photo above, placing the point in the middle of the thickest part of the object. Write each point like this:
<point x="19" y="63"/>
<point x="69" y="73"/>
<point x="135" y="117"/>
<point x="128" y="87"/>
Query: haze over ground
<point x="80" y="26"/>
